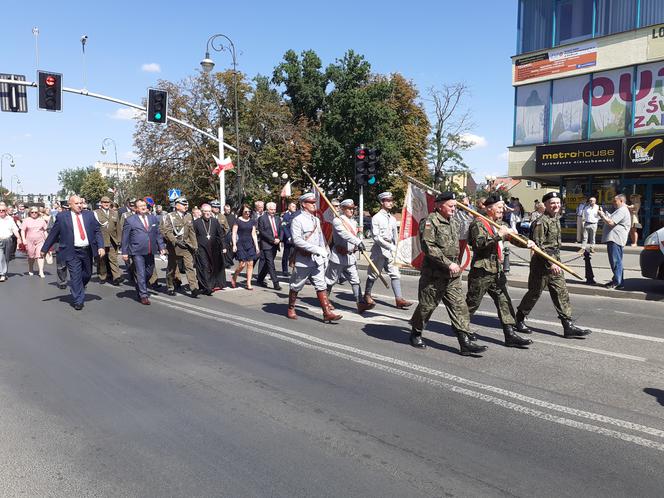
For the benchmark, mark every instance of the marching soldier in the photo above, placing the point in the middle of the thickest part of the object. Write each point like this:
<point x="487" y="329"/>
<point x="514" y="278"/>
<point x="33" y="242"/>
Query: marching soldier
<point x="546" y="234"/>
<point x="108" y="219"/>
<point x="310" y="257"/>
<point x="178" y="232"/>
<point x="221" y="217"/>
<point x="440" y="276"/>
<point x="385" y="236"/>
<point x="343" y="259"/>
<point x="486" y="269"/>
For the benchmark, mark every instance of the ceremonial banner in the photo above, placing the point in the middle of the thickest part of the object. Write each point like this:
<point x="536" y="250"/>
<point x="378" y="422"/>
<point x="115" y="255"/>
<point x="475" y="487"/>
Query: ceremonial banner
<point x="222" y="165"/>
<point x="325" y="215"/>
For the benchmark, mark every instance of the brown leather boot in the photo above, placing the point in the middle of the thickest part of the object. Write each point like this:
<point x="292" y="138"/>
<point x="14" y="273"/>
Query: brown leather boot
<point x="402" y="304"/>
<point x="328" y="314"/>
<point x="362" y="307"/>
<point x="292" y="297"/>
<point x="369" y="300"/>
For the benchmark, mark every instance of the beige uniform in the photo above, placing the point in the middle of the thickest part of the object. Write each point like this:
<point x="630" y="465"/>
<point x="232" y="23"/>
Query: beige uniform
<point x="180" y="238"/>
<point x="109" y="219"/>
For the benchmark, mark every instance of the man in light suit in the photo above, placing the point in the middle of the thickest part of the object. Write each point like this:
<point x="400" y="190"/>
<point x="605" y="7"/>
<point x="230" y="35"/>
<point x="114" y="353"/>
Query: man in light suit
<point x="79" y="236"/>
<point x="141" y="240"/>
<point x="269" y="236"/>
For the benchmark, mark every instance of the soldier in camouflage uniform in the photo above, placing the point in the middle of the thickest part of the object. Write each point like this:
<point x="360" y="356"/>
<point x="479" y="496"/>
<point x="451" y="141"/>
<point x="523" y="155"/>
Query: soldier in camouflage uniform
<point x="486" y="269"/>
<point x="108" y="219"/>
<point x="177" y="229"/>
<point x="546" y="234"/>
<point x="440" y="277"/>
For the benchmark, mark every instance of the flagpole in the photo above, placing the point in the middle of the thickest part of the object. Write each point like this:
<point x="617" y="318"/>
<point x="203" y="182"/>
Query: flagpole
<point x="222" y="174"/>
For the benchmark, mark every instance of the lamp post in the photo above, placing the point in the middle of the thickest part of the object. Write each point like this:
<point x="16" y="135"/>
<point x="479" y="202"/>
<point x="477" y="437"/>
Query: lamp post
<point x="2" y="162"/>
<point x="117" y="165"/>
<point x="208" y="64"/>
<point x="284" y="177"/>
<point x="11" y="183"/>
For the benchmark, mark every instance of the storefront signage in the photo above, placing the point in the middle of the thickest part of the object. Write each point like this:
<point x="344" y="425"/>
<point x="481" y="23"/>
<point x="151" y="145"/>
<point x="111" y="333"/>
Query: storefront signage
<point x="579" y="157"/>
<point x="656" y="43"/>
<point x="645" y="152"/>
<point x="555" y="62"/>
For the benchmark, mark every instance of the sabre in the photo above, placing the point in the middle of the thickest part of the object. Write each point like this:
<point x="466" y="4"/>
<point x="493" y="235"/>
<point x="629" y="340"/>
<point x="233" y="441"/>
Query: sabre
<point x="517" y="237"/>
<point x="336" y="215"/>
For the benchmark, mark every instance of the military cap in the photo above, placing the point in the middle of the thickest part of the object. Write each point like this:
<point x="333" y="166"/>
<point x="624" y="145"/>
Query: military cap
<point x="64" y="202"/>
<point x="132" y="201"/>
<point x="307" y="197"/>
<point x="215" y="204"/>
<point x="551" y="195"/>
<point x="385" y="196"/>
<point x="445" y="196"/>
<point x="105" y="199"/>
<point x="347" y="203"/>
<point x="182" y="200"/>
<point x="492" y="199"/>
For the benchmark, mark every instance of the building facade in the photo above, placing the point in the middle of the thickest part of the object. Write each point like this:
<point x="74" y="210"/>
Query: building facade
<point x="589" y="102"/>
<point x="111" y="170"/>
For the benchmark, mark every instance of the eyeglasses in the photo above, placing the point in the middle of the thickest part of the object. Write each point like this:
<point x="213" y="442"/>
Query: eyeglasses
<point x="3" y="210"/>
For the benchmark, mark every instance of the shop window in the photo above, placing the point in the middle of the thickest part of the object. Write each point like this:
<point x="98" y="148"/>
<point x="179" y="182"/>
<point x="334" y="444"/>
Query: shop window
<point x="615" y="16"/>
<point x="535" y="23"/>
<point x="532" y="114"/>
<point x="611" y="108"/>
<point x="652" y="12"/>
<point x="574" y="20"/>
<point x="569" y="112"/>
<point x="649" y="100"/>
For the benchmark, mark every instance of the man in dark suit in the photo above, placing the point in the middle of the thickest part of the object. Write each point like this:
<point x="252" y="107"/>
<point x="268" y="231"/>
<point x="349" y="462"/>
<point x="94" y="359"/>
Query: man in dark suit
<point x="141" y="240"/>
<point x="287" y="237"/>
<point x="79" y="236"/>
<point x="269" y="236"/>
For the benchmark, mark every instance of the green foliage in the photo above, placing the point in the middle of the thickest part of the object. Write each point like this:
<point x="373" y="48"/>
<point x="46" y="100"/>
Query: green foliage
<point x="71" y="180"/>
<point x="94" y="187"/>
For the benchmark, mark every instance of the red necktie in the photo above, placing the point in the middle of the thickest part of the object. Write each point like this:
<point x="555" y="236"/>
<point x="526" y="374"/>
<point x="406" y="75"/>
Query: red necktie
<point x="81" y="232"/>
<point x="274" y="228"/>
<point x="145" y="223"/>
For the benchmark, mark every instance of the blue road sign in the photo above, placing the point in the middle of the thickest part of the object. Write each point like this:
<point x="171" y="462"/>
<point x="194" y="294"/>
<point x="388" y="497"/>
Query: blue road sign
<point x="149" y="201"/>
<point x="174" y="193"/>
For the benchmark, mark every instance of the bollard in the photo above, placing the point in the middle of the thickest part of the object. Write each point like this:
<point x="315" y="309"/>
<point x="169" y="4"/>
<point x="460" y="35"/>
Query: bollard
<point x="506" y="259"/>
<point x="590" y="276"/>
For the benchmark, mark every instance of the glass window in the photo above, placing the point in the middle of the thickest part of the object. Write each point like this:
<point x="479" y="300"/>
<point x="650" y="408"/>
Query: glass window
<point x="652" y="12"/>
<point x="615" y="16"/>
<point x="532" y="114"/>
<point x="649" y="101"/>
<point x="610" y="112"/>
<point x="574" y="20"/>
<point x="535" y="22"/>
<point x="569" y="112"/>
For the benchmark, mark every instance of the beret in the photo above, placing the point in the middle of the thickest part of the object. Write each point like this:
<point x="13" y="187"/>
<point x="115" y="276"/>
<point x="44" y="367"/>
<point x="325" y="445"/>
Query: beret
<point x="445" y="196"/>
<point x="551" y="195"/>
<point x="215" y="204"/>
<point x="492" y="199"/>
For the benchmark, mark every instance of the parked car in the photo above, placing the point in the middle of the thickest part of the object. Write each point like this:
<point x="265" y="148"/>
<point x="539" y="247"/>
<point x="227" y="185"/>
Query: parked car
<point x="652" y="255"/>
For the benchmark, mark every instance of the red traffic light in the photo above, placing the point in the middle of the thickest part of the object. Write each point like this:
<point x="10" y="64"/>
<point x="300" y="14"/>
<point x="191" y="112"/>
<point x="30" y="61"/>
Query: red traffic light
<point x="50" y="80"/>
<point x="361" y="155"/>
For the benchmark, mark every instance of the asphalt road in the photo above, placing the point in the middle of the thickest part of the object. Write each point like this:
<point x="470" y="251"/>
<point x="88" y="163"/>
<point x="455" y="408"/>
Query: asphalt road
<point x="223" y="396"/>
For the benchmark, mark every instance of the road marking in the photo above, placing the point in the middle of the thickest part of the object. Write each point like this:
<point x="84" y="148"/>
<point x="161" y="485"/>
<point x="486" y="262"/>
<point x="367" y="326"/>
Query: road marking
<point x="557" y="324"/>
<point x="592" y="350"/>
<point x="323" y="346"/>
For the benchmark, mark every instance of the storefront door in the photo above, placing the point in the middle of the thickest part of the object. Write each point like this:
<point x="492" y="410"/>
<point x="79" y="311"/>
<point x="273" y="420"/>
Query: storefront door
<point x="651" y="214"/>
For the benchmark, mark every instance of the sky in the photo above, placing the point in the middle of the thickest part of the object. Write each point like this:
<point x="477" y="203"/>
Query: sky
<point x="132" y="45"/>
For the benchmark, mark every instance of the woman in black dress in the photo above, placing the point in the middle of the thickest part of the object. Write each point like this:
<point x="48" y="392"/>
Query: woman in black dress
<point x="245" y="245"/>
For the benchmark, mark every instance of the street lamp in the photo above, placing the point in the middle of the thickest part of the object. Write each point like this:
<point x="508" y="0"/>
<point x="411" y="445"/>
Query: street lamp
<point x="11" y="164"/>
<point x="117" y="165"/>
<point x="11" y="183"/>
<point x="208" y="64"/>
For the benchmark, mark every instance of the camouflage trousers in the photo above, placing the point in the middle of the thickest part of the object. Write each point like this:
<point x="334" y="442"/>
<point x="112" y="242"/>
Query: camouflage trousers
<point x="540" y="279"/>
<point x="480" y="282"/>
<point x="434" y="288"/>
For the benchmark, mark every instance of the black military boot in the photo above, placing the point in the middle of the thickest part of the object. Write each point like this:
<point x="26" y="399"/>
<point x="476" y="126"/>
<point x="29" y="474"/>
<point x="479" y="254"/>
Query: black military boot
<point x="521" y="326"/>
<point x="466" y="347"/>
<point x="571" y="330"/>
<point x="512" y="340"/>
<point x="416" y="339"/>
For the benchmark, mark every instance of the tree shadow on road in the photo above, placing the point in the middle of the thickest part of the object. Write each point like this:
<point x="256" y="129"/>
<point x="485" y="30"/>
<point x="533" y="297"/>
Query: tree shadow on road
<point x="658" y="394"/>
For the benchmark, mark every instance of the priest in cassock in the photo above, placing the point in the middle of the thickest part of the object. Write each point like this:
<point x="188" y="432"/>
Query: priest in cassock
<point x="210" y="256"/>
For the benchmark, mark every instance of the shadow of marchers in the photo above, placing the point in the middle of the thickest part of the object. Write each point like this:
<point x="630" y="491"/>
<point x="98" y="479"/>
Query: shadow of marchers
<point x="658" y="394"/>
<point x="279" y="309"/>
<point x="400" y="335"/>
<point x="67" y="298"/>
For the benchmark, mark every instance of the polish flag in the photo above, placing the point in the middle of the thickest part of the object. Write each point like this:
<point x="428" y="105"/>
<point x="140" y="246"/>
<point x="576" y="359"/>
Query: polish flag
<point x="222" y="165"/>
<point x="286" y="191"/>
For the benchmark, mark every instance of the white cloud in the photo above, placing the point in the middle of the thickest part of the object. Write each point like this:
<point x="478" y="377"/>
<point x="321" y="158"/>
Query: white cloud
<point x="475" y="141"/>
<point x="127" y="113"/>
<point x="152" y="67"/>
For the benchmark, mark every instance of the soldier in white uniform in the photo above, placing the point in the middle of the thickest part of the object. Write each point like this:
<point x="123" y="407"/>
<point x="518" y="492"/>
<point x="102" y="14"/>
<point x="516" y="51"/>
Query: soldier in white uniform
<point x="310" y="257"/>
<point x="385" y="236"/>
<point x="343" y="259"/>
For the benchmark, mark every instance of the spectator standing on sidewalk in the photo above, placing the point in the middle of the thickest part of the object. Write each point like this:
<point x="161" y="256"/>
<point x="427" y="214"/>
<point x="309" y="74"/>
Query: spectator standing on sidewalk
<point x="634" y="209"/>
<point x="579" y="221"/>
<point x="616" y="229"/>
<point x="590" y="220"/>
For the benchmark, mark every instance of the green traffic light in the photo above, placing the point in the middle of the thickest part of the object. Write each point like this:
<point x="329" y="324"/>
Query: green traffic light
<point x="372" y="180"/>
<point x="157" y="116"/>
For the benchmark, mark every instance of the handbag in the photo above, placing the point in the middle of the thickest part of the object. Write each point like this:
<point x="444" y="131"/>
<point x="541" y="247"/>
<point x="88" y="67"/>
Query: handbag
<point x="49" y="258"/>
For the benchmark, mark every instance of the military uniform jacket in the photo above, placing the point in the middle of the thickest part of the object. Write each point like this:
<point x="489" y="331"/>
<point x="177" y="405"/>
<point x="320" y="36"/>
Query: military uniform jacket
<point x="344" y="241"/>
<point x="307" y="235"/>
<point x="221" y="218"/>
<point x="175" y="228"/>
<point x="109" y="225"/>
<point x="485" y="246"/>
<point x="546" y="234"/>
<point x="385" y="234"/>
<point x="439" y="238"/>
<point x="120" y="224"/>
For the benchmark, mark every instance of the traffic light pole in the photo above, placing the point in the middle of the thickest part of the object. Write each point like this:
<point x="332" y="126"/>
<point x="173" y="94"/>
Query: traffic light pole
<point x="360" y="220"/>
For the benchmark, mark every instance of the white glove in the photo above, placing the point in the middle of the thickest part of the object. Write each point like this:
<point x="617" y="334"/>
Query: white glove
<point x="321" y="251"/>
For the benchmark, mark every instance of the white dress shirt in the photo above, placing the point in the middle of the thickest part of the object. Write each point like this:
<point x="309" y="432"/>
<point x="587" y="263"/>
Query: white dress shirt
<point x="78" y="241"/>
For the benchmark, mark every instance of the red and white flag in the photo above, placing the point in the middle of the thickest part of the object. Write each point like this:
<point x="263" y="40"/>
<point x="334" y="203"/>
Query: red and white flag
<point x="222" y="165"/>
<point x="325" y="215"/>
<point x="286" y="191"/>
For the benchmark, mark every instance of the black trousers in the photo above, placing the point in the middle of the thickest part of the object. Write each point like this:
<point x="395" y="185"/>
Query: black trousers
<point x="285" y="257"/>
<point x="268" y="265"/>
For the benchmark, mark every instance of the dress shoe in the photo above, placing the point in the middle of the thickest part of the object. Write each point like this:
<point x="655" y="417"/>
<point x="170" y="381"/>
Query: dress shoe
<point x="156" y="286"/>
<point x="170" y="292"/>
<point x="512" y="340"/>
<point x="520" y="325"/>
<point x="102" y="282"/>
<point x="416" y="340"/>
<point x="402" y="304"/>
<point x="472" y="336"/>
<point x="262" y="283"/>
<point x="78" y="306"/>
<point x="145" y="301"/>
<point x="195" y="293"/>
<point x="277" y="287"/>
<point x="571" y="330"/>
<point x="368" y="299"/>
<point x="208" y="292"/>
<point x="466" y="347"/>
<point x="619" y="287"/>
<point x="62" y="286"/>
<point x="117" y="281"/>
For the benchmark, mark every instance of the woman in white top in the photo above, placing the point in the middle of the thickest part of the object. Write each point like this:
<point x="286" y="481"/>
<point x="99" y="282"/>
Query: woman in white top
<point x="7" y="229"/>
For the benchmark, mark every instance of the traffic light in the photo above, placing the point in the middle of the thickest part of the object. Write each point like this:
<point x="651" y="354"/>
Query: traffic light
<point x="361" y="165"/>
<point x="157" y="105"/>
<point x="373" y="162"/>
<point x="50" y="91"/>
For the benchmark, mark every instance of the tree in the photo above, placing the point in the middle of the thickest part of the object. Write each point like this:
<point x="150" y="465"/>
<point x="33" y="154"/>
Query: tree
<point x="304" y="81"/>
<point x="94" y="187"/>
<point x="71" y="180"/>
<point x="450" y="122"/>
